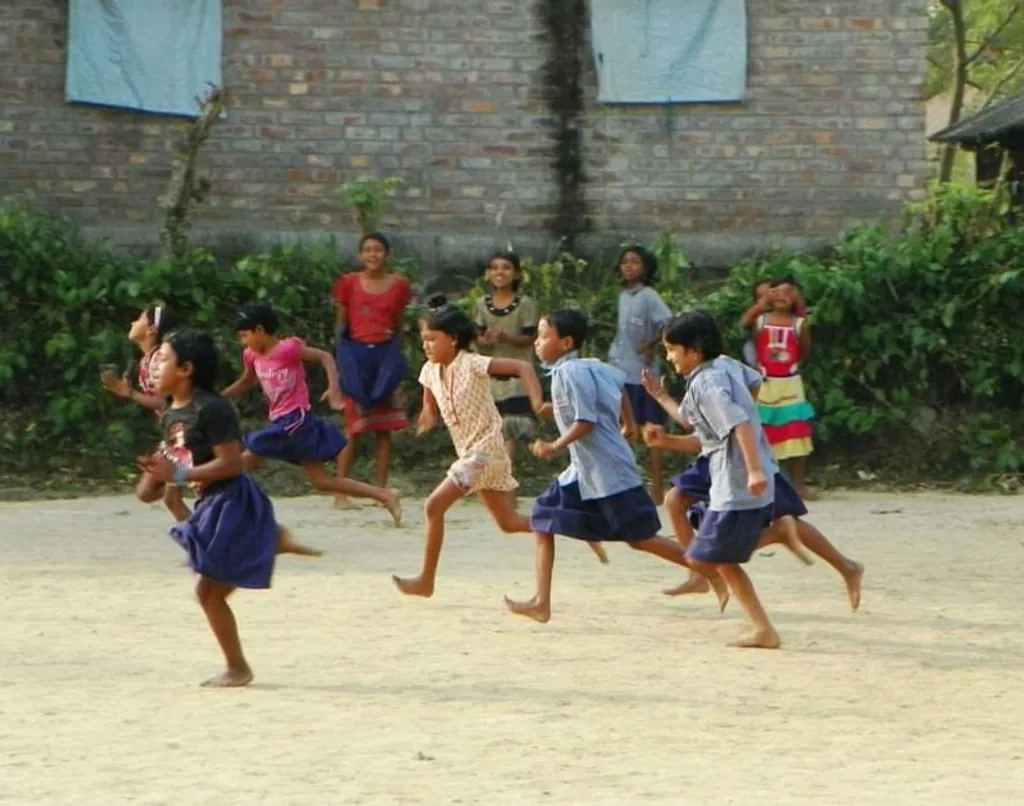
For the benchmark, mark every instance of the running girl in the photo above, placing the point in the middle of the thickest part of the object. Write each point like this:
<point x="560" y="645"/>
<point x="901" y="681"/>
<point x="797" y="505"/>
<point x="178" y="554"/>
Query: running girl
<point x="295" y="433"/>
<point x="457" y="383"/>
<point x="600" y="496"/>
<point x="232" y="537"/>
<point x="147" y="332"/>
<point x="725" y="419"/>
<point x="508" y="321"/>
<point x="642" y="315"/>
<point x="369" y="314"/>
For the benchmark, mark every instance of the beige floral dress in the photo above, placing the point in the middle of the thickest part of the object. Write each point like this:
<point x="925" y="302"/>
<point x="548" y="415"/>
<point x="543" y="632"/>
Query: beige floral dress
<point x="463" y="394"/>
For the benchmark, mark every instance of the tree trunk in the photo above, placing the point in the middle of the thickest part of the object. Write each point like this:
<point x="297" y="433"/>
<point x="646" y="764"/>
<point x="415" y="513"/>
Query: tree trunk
<point x="956" y="101"/>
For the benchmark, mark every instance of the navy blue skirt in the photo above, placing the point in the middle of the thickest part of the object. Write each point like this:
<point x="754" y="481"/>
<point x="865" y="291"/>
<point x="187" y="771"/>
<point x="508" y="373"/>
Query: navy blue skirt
<point x="729" y="537"/>
<point x="628" y="516"/>
<point x="645" y="408"/>
<point x="298" y="437"/>
<point x="232" y="534"/>
<point x="695" y="481"/>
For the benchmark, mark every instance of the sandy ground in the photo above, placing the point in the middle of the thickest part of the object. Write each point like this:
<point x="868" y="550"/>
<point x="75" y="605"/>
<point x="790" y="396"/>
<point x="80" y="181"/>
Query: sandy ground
<point x="624" y="698"/>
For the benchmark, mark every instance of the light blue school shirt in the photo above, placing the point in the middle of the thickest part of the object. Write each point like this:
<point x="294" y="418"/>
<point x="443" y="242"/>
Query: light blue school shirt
<point x="717" y="400"/>
<point x="590" y="391"/>
<point x="642" y="315"/>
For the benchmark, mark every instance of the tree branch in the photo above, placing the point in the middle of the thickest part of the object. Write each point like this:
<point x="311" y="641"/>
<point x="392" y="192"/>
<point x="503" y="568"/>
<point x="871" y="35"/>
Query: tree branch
<point x="1006" y="76"/>
<point x="992" y="37"/>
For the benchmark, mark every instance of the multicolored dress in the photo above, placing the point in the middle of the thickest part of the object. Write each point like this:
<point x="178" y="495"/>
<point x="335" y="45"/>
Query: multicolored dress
<point x="785" y="412"/>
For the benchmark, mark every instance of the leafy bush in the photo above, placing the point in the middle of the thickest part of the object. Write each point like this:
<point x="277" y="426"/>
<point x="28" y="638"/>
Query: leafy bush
<point x="918" y="340"/>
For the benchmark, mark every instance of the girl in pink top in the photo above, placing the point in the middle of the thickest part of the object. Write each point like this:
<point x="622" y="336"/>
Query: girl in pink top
<point x="457" y="384"/>
<point x="295" y="433"/>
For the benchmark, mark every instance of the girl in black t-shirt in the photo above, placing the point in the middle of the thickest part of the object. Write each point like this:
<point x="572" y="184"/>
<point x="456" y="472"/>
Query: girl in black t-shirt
<point x="232" y="536"/>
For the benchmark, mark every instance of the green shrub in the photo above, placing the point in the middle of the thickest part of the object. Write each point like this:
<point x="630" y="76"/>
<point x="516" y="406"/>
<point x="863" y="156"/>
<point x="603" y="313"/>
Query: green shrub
<point x="918" y="340"/>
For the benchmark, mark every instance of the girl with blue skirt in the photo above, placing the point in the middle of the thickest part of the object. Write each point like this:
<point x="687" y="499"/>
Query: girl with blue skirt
<point x="687" y="500"/>
<point x="600" y="496"/>
<point x="232" y="537"/>
<point x="295" y="434"/>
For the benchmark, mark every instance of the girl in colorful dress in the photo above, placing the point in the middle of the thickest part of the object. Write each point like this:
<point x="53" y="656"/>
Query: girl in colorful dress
<point x="369" y="316"/>
<point x="457" y="384"/>
<point x="232" y="537"/>
<point x="783" y="340"/>
<point x="600" y="496"/>
<point x="760" y="306"/>
<point x="508" y="323"/>
<point x="147" y="332"/>
<point x="295" y="434"/>
<point x="642" y="315"/>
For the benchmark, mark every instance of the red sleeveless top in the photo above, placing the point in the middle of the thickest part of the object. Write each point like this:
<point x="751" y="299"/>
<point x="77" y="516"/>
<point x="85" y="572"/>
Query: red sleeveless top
<point x="778" y="348"/>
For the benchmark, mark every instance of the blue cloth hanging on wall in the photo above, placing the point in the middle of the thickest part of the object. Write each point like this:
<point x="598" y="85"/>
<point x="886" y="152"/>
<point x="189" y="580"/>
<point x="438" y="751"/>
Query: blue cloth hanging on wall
<point x="150" y="55"/>
<point x="669" y="51"/>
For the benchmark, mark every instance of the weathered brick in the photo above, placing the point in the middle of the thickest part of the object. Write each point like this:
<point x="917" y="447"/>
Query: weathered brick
<point x="443" y="92"/>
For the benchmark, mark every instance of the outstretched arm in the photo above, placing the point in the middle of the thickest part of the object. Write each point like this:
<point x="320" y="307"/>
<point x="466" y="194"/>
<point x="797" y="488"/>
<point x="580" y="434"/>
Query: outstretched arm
<point x="246" y="382"/>
<point x="333" y="394"/>
<point x="526" y="373"/>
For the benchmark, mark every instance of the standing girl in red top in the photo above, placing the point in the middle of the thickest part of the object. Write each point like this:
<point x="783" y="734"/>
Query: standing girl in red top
<point x="782" y="339"/>
<point x="369" y="310"/>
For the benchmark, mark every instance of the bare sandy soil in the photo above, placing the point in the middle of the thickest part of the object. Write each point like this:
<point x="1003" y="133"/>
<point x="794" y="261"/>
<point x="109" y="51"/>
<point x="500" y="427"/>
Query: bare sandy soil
<point x="626" y="697"/>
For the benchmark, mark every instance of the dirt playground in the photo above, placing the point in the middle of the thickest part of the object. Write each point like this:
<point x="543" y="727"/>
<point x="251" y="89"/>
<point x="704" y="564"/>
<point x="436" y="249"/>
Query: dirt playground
<point x="626" y="697"/>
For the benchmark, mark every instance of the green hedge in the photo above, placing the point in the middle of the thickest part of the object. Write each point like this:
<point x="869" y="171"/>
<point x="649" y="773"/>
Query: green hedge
<point x="918" y="333"/>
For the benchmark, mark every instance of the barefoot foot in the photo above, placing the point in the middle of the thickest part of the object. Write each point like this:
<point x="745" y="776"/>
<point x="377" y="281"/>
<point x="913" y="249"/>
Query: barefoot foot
<point x="807" y="493"/>
<point x="531" y="609"/>
<point x="286" y="544"/>
<point x="413" y="586"/>
<point x="393" y="506"/>
<point x="761" y="639"/>
<point x="721" y="591"/>
<point x="598" y="549"/>
<point x="695" y="584"/>
<point x="854" y="579"/>
<point x="231" y="678"/>
<point x="342" y="501"/>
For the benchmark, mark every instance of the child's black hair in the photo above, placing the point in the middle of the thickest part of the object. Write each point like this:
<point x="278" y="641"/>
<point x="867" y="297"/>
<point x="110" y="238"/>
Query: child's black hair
<point x="784" y="279"/>
<point x="379" y="237"/>
<point x="569" y="323"/>
<point x="198" y="348"/>
<point x="163" y="319"/>
<point x="695" y="330"/>
<point x="647" y="258"/>
<point x="511" y="257"/>
<point x="258" y="314"/>
<point x="443" y="316"/>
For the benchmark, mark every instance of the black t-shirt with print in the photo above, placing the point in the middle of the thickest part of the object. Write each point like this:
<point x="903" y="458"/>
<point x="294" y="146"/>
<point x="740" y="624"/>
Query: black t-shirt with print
<point x="190" y="432"/>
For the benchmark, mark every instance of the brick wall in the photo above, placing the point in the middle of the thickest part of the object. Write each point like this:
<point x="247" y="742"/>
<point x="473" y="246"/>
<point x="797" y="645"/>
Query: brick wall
<point x="442" y="93"/>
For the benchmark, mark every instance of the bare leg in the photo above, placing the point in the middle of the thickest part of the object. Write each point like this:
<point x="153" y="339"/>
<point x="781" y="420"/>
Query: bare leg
<point x="676" y="504"/>
<point x="441" y="500"/>
<point x="213" y="598"/>
<point x="797" y="468"/>
<point x="510" y="447"/>
<point x="382" y="456"/>
<point x="511" y="521"/>
<point x="763" y="635"/>
<point x="539" y="607"/>
<point x="343" y="486"/>
<point x="658" y="476"/>
<point x="851" y="571"/>
<point x="345" y="460"/>
<point x="670" y="550"/>
<point x="286" y="544"/>
<point x="790" y="533"/>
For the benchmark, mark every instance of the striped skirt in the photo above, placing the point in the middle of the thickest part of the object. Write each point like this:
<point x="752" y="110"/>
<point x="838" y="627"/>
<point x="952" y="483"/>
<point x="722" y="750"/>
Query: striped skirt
<point x="786" y="416"/>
